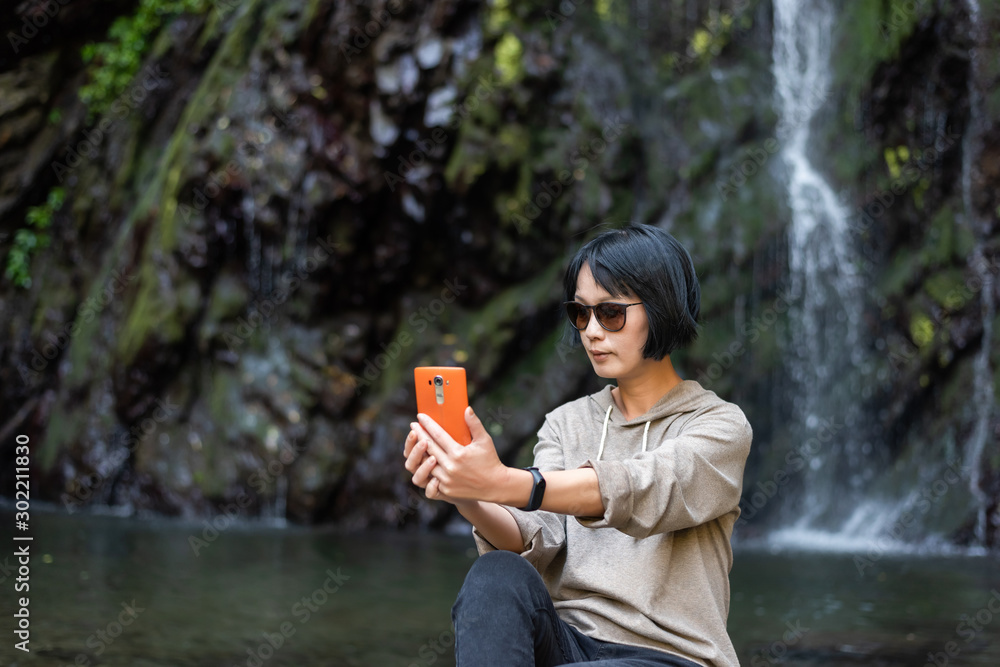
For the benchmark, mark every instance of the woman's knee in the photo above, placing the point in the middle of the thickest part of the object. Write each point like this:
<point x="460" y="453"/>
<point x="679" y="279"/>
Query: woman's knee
<point x="500" y="573"/>
<point x="503" y="567"/>
<point x="498" y="584"/>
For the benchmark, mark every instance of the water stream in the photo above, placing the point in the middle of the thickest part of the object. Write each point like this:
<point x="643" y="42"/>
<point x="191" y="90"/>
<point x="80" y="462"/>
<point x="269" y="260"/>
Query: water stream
<point x="983" y="388"/>
<point x="824" y="351"/>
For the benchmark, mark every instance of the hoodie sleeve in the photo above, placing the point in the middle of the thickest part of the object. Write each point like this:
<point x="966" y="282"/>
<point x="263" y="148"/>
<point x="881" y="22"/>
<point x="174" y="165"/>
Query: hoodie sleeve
<point x="686" y="481"/>
<point x="544" y="533"/>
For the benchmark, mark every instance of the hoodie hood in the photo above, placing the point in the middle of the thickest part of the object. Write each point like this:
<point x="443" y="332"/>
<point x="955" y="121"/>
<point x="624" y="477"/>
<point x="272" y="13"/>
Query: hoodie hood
<point x="685" y="398"/>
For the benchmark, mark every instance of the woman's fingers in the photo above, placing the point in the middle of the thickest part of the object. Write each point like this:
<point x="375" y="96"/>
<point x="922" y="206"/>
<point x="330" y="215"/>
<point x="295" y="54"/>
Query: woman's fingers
<point x="422" y="475"/>
<point x="411" y="439"/>
<point x="476" y="427"/>
<point x="416" y="434"/>
<point x="431" y="445"/>
<point x="418" y="452"/>
<point x="438" y="435"/>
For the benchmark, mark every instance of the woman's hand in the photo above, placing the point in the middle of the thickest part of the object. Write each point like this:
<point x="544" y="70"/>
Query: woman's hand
<point x="450" y="471"/>
<point x="420" y="463"/>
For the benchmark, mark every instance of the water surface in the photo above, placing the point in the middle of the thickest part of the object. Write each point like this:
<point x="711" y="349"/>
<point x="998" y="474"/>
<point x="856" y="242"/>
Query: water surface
<point x="114" y="591"/>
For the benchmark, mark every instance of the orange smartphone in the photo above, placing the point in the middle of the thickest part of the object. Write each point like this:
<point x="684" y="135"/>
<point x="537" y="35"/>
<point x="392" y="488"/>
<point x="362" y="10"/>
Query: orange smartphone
<point x="442" y="395"/>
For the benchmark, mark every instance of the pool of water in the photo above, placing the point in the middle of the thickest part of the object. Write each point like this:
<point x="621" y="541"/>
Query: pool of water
<point x="113" y="591"/>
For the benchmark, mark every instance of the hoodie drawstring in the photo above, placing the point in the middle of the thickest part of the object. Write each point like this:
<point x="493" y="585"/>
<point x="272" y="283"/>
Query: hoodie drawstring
<point x="604" y="433"/>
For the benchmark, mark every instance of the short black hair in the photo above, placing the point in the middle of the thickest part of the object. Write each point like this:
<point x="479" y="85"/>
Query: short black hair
<point x="654" y="266"/>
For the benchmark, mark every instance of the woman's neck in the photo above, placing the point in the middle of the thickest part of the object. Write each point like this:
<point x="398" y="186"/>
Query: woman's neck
<point x="635" y="395"/>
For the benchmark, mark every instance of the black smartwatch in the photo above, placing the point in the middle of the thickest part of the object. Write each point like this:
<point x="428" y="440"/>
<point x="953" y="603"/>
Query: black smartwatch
<point x="537" y="491"/>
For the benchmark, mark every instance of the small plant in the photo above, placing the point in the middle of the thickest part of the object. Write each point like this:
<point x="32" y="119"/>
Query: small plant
<point x="32" y="238"/>
<point x="114" y="63"/>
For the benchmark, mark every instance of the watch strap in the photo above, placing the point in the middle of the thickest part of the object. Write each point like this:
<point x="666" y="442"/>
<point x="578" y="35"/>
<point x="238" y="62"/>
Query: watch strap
<point x="537" y="490"/>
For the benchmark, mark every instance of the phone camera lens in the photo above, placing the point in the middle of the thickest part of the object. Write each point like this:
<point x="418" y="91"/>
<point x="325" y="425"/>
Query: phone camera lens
<point x="438" y="381"/>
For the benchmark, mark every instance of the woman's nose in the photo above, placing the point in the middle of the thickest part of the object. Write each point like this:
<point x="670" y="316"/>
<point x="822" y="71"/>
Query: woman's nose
<point x="594" y="328"/>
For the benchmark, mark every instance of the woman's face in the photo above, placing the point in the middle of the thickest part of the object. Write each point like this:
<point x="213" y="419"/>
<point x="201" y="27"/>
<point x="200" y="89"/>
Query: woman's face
<point x="614" y="354"/>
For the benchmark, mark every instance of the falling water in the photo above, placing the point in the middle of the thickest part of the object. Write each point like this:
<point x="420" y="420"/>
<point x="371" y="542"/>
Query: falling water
<point x="280" y="501"/>
<point x="824" y="348"/>
<point x="983" y="382"/>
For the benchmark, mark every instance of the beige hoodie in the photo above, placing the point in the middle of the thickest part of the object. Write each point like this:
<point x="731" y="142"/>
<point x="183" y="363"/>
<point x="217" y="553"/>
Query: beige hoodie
<point x="654" y="570"/>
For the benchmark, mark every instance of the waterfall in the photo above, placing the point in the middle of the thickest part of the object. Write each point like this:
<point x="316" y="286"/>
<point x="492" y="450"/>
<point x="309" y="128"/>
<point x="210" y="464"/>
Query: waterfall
<point x="824" y="354"/>
<point x="983" y="382"/>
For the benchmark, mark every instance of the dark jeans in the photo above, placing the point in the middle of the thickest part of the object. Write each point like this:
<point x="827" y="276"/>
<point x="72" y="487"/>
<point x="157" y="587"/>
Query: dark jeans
<point x="504" y="618"/>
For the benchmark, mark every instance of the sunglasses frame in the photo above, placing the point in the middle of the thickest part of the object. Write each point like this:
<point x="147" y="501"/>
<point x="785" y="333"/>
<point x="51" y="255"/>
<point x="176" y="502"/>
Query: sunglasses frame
<point x="593" y="313"/>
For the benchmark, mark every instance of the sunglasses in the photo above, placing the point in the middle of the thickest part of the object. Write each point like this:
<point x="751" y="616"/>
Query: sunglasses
<point x="610" y="315"/>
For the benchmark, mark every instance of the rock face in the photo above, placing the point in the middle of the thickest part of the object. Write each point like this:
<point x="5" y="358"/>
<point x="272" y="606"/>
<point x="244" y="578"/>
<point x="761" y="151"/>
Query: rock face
<point x="294" y="203"/>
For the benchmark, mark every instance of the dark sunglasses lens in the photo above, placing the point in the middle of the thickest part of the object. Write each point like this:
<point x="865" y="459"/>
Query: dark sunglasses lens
<point x="578" y="315"/>
<point x="611" y="316"/>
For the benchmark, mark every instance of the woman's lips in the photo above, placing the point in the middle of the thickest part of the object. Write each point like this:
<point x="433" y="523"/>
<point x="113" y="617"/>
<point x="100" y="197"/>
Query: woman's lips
<point x="599" y="356"/>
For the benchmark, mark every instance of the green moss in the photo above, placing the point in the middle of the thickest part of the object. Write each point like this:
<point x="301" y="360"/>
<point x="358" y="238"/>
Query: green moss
<point x="708" y="41"/>
<point x="161" y="310"/>
<point x="59" y="434"/>
<point x="155" y="311"/>
<point x="486" y="332"/>
<point x="712" y="110"/>
<point x="944" y="238"/>
<point x="498" y="16"/>
<point x="948" y="289"/>
<point x="922" y="330"/>
<point x="508" y="54"/>
<point x="899" y="275"/>
<point x="869" y="33"/>
<point x="113" y="64"/>
<point x="468" y="160"/>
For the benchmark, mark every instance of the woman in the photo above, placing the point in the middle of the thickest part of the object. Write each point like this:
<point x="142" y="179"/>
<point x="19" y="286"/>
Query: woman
<point x="616" y="549"/>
